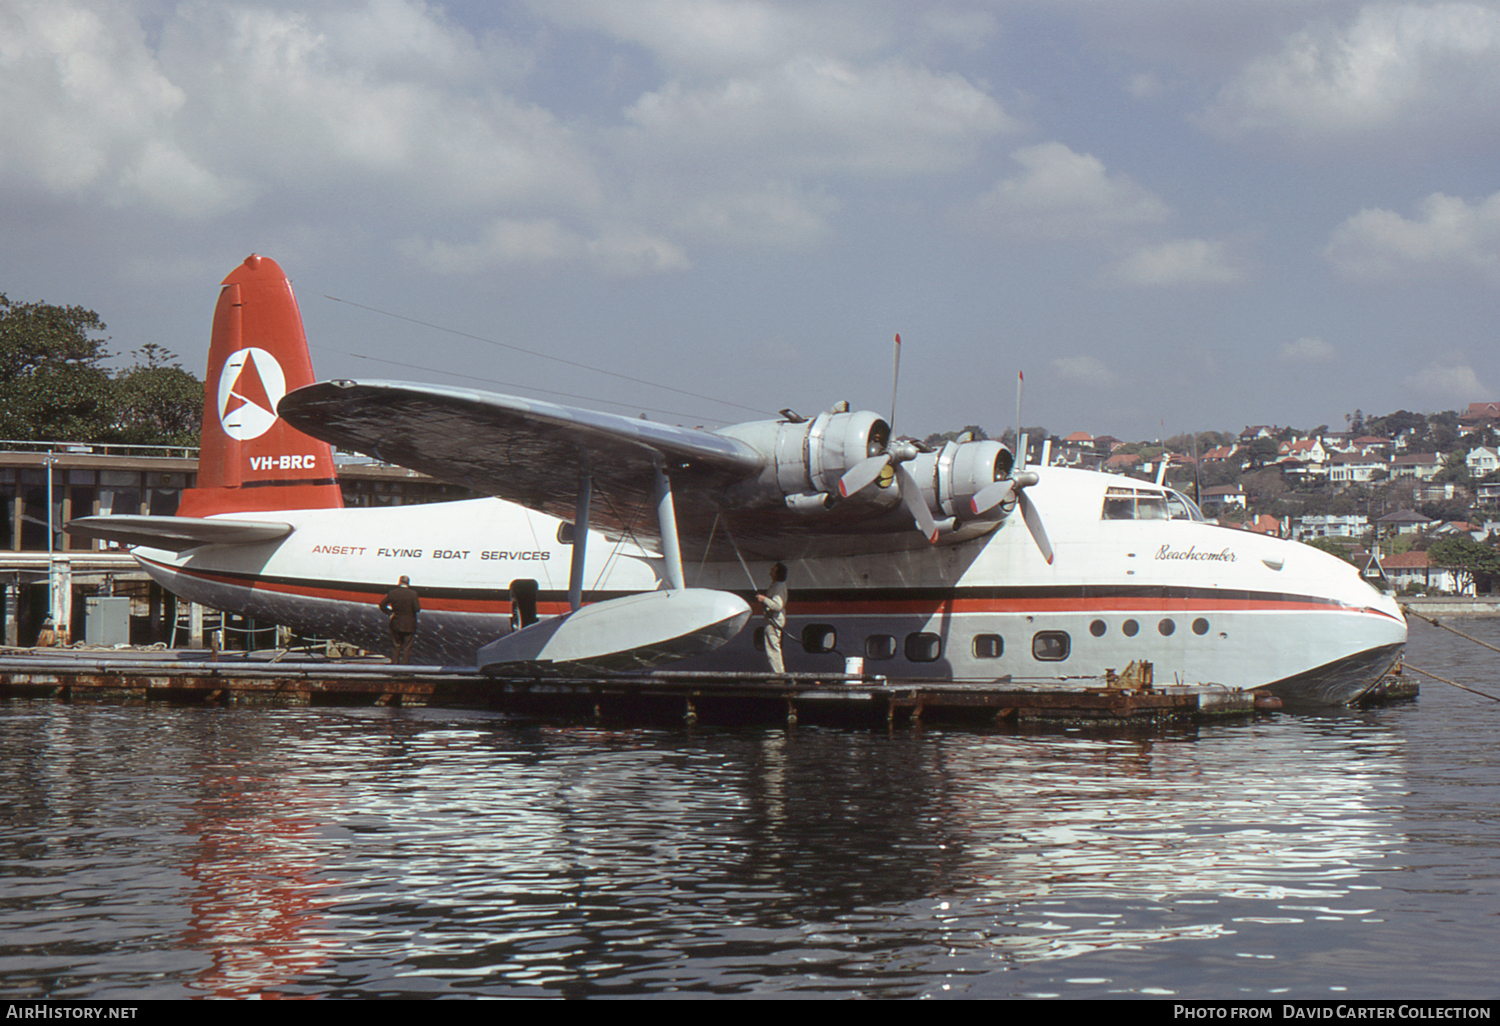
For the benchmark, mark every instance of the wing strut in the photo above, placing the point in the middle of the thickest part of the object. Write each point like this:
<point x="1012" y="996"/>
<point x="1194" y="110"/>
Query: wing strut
<point x="666" y="518"/>
<point x="580" y="539"/>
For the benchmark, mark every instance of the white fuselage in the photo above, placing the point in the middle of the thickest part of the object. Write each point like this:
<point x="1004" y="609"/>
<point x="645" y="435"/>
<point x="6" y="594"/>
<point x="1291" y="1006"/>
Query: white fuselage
<point x="1202" y="603"/>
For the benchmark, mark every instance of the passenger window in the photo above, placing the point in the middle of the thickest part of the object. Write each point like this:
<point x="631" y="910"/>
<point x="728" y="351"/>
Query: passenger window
<point x="924" y="648"/>
<point x="988" y="646"/>
<point x="819" y="637"/>
<point x="1051" y="646"/>
<point x="880" y="646"/>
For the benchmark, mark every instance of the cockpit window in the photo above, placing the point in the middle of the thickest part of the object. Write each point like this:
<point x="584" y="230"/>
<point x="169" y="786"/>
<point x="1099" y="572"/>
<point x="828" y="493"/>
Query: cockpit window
<point x="1134" y="504"/>
<point x="1121" y="503"/>
<point x="1180" y="507"/>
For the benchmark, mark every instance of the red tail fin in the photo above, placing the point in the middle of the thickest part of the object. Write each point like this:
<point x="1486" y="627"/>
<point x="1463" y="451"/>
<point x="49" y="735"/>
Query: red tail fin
<point x="250" y="460"/>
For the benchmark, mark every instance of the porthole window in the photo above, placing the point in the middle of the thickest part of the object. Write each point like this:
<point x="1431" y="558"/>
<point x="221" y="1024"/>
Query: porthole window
<point x="1131" y="628"/>
<point x="924" y="648"/>
<point x="1097" y="628"/>
<point x="1166" y="627"/>
<point x="880" y="646"/>
<point x="988" y="646"/>
<point x="1200" y="626"/>
<point x="819" y="637"/>
<point x="1051" y="646"/>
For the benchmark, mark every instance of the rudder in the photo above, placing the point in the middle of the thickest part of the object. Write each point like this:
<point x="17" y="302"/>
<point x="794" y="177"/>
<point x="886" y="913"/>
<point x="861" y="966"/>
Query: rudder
<point x="249" y="459"/>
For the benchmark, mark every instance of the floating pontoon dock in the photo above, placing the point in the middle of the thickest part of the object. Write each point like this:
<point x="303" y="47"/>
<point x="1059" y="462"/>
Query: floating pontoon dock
<point x="197" y="678"/>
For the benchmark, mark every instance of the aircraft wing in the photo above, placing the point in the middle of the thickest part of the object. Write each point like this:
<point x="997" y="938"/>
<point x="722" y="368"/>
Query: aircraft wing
<point x="531" y="452"/>
<point x="176" y="534"/>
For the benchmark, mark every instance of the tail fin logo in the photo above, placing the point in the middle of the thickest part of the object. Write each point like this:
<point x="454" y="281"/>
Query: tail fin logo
<point x="250" y="386"/>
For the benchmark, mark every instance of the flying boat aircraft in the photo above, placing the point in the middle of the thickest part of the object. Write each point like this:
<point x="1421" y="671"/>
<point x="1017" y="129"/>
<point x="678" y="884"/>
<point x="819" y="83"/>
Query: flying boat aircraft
<point x="610" y="543"/>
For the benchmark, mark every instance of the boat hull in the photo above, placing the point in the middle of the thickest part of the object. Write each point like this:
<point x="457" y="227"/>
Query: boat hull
<point x="1340" y="682"/>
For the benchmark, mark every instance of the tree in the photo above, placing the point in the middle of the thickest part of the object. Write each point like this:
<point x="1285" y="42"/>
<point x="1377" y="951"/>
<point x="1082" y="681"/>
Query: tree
<point x="54" y="389"/>
<point x="1393" y="424"/>
<point x="936" y="439"/>
<point x="51" y="386"/>
<point x="157" y="403"/>
<point x="1333" y="546"/>
<point x="1471" y="561"/>
<point x="1263" y="451"/>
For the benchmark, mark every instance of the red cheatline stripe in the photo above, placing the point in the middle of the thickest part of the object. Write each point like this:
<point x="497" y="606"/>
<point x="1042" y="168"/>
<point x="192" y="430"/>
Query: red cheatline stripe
<point x="833" y="607"/>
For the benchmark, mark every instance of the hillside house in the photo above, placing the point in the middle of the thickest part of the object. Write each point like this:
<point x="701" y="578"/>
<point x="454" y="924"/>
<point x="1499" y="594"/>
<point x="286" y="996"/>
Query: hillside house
<point x="1330" y="525"/>
<point x="1403" y="521"/>
<point x="1482" y="461"/>
<point x="1350" y="468"/>
<point x="1479" y="415"/>
<point x="1423" y="466"/>
<point x="1415" y="569"/>
<point x="1221" y="499"/>
<point x="1305" y="450"/>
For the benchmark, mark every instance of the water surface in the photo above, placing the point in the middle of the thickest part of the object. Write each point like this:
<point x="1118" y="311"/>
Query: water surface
<point x="155" y="852"/>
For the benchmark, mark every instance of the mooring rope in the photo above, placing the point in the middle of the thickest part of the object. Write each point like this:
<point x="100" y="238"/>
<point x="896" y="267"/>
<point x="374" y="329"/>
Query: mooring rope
<point x="1409" y="611"/>
<point x="1445" y="680"/>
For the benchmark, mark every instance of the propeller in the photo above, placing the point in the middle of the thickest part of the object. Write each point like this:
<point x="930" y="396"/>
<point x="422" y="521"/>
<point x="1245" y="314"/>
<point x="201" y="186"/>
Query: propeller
<point x="1013" y="489"/>
<point x="897" y="453"/>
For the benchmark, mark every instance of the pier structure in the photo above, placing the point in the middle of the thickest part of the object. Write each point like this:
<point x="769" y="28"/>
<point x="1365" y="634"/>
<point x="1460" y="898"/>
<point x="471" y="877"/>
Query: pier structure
<point x="48" y="576"/>
<point x="1125" y="699"/>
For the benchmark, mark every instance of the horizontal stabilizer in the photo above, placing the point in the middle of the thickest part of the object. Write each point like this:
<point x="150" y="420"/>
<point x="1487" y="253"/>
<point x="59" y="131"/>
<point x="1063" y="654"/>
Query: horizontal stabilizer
<point x="176" y="534"/>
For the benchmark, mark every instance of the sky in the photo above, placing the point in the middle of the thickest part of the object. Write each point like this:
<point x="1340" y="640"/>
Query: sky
<point x="1169" y="215"/>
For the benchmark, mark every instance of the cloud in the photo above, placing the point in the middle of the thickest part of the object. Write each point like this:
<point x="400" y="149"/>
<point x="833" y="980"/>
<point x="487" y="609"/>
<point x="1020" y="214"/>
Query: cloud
<point x="510" y="243"/>
<point x="228" y="103"/>
<point x="728" y="38"/>
<point x="1450" y="382"/>
<point x="818" y="115"/>
<point x="777" y="214"/>
<point x="88" y="111"/>
<point x="1448" y="234"/>
<point x="1397" y="65"/>
<point x="1308" y="351"/>
<point x="1086" y="372"/>
<point x="1178" y="262"/>
<point x="1063" y="194"/>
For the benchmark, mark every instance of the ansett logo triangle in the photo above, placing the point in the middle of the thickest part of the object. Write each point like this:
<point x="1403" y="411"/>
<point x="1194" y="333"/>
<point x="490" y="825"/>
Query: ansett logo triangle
<point x="250" y="386"/>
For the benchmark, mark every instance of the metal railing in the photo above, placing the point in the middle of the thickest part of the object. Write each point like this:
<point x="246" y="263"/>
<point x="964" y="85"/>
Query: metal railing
<point x="186" y="452"/>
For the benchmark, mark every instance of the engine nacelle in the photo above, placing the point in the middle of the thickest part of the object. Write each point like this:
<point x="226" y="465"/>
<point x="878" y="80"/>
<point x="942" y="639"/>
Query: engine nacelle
<point x="806" y="458"/>
<point x="955" y="473"/>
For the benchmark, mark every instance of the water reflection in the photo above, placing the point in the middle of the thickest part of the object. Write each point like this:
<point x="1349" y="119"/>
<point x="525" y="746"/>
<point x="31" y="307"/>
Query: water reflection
<point x="158" y="852"/>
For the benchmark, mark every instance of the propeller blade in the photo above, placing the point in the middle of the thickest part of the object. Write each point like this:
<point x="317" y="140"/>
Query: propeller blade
<point x="911" y="495"/>
<point x="895" y="380"/>
<point x="862" y="474"/>
<point x="1034" y="525"/>
<point x="991" y="495"/>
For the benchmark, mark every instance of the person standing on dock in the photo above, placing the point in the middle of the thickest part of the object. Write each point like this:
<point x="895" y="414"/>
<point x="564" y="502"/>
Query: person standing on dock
<point x="774" y="601"/>
<point x="402" y="606"/>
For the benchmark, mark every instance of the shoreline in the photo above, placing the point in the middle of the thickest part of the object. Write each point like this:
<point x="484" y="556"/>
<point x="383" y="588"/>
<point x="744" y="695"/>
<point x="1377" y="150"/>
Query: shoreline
<point x="1454" y="605"/>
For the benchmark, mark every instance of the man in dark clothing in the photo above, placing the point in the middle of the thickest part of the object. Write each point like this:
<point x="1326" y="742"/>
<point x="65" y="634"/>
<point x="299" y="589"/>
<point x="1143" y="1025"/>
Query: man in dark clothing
<point x="402" y="606"/>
